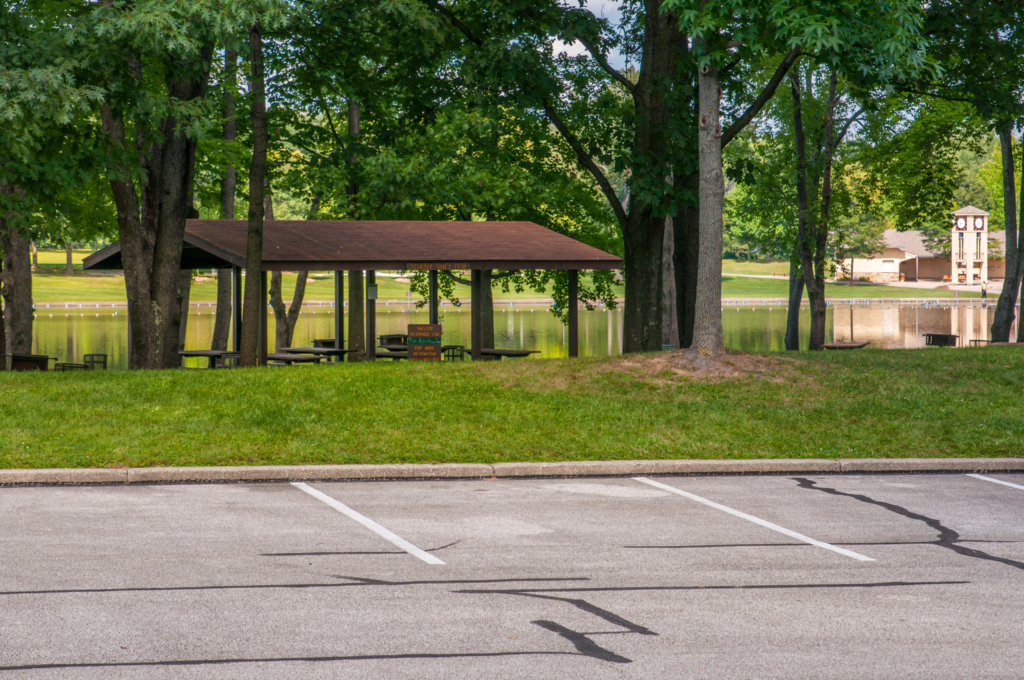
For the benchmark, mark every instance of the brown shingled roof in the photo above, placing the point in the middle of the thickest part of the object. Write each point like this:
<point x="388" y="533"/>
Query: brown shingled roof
<point x="322" y="245"/>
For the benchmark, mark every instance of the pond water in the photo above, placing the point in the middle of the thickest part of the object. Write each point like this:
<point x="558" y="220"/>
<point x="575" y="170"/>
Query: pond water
<point x="754" y="327"/>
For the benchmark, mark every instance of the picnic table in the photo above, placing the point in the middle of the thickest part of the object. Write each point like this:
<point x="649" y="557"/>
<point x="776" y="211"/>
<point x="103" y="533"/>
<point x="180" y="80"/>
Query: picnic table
<point x="394" y="352"/>
<point x="31" y="362"/>
<point x="846" y="345"/>
<point x="506" y="353"/>
<point x="290" y="359"/>
<point x="211" y="354"/>
<point x="338" y="354"/>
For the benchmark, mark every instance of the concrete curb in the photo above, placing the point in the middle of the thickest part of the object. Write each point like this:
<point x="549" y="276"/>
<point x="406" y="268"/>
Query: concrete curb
<point x="611" y="468"/>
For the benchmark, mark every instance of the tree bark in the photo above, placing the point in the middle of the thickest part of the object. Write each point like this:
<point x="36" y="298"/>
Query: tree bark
<point x="222" y="322"/>
<point x="16" y="288"/>
<point x="151" y="222"/>
<point x="69" y="269"/>
<point x="356" y="328"/>
<point x="707" y="344"/>
<point x="487" y="311"/>
<point x="35" y="259"/>
<point x="685" y="259"/>
<point x="4" y="350"/>
<point x="796" y="294"/>
<point x="669" y="325"/>
<point x="1005" y="313"/>
<point x="254" y="304"/>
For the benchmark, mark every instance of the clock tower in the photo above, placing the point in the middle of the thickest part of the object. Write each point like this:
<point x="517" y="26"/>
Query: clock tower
<point x="969" y="251"/>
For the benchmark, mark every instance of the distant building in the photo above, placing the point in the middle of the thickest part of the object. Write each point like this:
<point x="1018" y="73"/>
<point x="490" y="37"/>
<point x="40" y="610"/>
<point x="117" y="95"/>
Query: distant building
<point x="975" y="254"/>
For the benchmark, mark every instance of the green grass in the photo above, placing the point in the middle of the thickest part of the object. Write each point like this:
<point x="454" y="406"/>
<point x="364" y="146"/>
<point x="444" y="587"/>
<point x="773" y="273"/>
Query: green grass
<point x="58" y="288"/>
<point x="868" y="403"/>
<point x="752" y="267"/>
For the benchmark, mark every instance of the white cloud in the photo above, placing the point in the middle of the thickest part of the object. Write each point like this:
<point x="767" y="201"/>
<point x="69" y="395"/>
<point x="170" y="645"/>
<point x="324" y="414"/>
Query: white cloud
<point x="573" y="49"/>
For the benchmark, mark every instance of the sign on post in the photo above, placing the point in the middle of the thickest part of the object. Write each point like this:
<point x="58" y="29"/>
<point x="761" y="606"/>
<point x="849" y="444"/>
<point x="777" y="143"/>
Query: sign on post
<point x="424" y="342"/>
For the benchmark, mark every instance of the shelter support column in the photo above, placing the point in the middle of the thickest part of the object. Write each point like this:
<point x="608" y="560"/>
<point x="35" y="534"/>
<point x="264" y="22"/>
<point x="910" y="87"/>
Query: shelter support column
<point x="236" y="309"/>
<point x="574" y="326"/>
<point x="432" y="296"/>
<point x="476" y="304"/>
<point x="263" y="320"/>
<point x="371" y="315"/>
<point x="339" y="311"/>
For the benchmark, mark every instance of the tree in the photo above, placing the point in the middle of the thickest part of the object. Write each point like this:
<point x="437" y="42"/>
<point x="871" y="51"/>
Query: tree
<point x="857" y="37"/>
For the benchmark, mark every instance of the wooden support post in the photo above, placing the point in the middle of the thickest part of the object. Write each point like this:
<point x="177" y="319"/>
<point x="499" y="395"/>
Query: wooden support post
<point x="371" y="315"/>
<point x="339" y="312"/>
<point x="476" y="300"/>
<point x="432" y="298"/>
<point x="574" y="326"/>
<point x="263" y="320"/>
<point x="236" y="309"/>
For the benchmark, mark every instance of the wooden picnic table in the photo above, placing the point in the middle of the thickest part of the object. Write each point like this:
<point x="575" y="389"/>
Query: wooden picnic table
<point x="211" y="354"/>
<point x="338" y="354"/>
<point x="394" y="347"/>
<point x="290" y="359"/>
<point x="846" y="345"/>
<point x="506" y="353"/>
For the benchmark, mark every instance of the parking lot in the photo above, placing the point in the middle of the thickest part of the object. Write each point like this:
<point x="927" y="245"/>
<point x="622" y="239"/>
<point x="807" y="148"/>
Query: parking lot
<point x="817" y="576"/>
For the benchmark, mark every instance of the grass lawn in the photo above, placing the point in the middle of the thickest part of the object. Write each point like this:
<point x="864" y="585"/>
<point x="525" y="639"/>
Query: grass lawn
<point x="58" y="288"/>
<point x="867" y="403"/>
<point x="754" y="267"/>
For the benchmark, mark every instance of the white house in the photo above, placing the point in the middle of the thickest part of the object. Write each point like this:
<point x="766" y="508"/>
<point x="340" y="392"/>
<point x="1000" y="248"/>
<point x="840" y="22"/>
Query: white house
<point x="975" y="254"/>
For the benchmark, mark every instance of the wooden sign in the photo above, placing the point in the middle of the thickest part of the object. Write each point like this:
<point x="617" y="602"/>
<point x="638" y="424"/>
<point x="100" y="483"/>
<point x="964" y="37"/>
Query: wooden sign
<point x="424" y="342"/>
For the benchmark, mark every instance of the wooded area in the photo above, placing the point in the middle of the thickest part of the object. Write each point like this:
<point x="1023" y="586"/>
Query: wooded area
<point x="824" y="123"/>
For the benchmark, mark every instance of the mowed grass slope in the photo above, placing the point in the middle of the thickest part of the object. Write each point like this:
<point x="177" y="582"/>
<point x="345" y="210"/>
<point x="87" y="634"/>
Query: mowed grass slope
<point x="868" y="403"/>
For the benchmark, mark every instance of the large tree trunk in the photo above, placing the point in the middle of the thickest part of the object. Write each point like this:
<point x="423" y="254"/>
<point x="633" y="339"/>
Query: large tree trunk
<point x="151" y="222"/>
<point x="356" y="329"/>
<point x="796" y="294"/>
<point x="1002" y="322"/>
<point x="16" y="289"/>
<point x="4" y="351"/>
<point x="707" y="345"/>
<point x="669" y="326"/>
<point x="69" y="269"/>
<point x="35" y="257"/>
<point x="222" y="322"/>
<point x="685" y="259"/>
<point x="253" y="306"/>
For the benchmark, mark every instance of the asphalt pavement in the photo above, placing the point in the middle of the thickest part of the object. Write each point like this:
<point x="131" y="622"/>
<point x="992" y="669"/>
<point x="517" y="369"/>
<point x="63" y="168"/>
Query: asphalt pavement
<point x="787" y="576"/>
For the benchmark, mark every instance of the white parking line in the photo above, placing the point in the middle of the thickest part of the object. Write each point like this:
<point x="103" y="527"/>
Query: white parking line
<point x="756" y="520"/>
<point x="997" y="481"/>
<point x="369" y="524"/>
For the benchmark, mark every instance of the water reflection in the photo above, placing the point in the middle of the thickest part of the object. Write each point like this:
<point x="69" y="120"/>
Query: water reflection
<point x="748" y="327"/>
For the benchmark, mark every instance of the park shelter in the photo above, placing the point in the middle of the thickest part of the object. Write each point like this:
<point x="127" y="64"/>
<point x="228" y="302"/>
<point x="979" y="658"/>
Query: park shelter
<point x="371" y="246"/>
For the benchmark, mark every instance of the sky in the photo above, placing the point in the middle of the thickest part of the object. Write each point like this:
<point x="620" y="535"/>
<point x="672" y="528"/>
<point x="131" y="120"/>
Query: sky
<point x="607" y="9"/>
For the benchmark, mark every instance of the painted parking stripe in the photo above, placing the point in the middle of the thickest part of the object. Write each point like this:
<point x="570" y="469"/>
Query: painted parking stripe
<point x="369" y="524"/>
<point x="997" y="481"/>
<point x="757" y="520"/>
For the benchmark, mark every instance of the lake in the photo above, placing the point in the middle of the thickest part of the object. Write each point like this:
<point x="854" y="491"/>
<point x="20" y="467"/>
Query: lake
<point x="68" y="333"/>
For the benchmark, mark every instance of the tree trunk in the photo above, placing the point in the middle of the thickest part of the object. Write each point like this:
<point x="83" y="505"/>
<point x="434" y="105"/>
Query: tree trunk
<point x="669" y="326"/>
<point x="69" y="269"/>
<point x="811" y="235"/>
<point x="222" y="322"/>
<point x="796" y="294"/>
<point x="4" y="350"/>
<point x="16" y="288"/>
<point x="685" y="259"/>
<point x="1002" y="322"/>
<point x="707" y="345"/>
<point x="254" y="304"/>
<point x="35" y="258"/>
<point x="151" y="222"/>
<point x="284" y="317"/>
<point x="356" y="328"/>
<point x="184" y="293"/>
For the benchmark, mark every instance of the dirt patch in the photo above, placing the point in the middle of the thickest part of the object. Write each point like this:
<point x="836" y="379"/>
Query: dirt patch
<point x="673" y="366"/>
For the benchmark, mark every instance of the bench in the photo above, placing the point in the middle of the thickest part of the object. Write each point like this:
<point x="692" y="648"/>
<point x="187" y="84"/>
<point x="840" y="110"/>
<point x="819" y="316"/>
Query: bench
<point x="30" y="362"/>
<point x="288" y="359"/>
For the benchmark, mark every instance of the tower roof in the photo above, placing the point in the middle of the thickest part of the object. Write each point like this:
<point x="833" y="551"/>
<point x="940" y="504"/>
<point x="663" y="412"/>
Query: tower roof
<point x="968" y="211"/>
